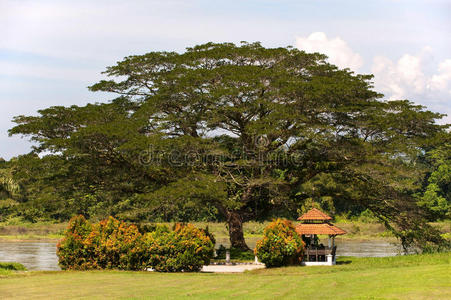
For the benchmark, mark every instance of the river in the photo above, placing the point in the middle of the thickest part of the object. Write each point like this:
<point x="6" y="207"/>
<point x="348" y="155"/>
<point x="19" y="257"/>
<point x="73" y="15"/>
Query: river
<point x="42" y="255"/>
<point x="33" y="255"/>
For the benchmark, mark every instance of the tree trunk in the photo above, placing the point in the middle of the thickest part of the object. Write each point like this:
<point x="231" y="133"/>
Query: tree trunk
<point x="236" y="234"/>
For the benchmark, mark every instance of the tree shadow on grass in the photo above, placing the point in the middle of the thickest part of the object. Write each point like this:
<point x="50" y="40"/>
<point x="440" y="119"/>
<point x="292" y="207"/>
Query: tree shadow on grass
<point x="344" y="262"/>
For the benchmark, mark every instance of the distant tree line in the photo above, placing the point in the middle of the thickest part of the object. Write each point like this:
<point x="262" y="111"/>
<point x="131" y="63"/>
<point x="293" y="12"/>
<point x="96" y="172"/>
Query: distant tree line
<point x="232" y="133"/>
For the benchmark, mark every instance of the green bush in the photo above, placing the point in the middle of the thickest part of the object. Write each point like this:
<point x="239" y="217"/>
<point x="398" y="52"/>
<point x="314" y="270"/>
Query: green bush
<point x="12" y="266"/>
<point x="72" y="251"/>
<point x="112" y="244"/>
<point x="281" y="245"/>
<point x="109" y="244"/>
<point x="367" y="216"/>
<point x="118" y="245"/>
<point x="187" y="249"/>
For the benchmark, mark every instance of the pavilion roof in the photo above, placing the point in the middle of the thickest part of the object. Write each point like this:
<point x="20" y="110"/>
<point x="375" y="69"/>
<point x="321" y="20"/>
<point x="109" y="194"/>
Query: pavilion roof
<point x="323" y="228"/>
<point x="314" y="215"/>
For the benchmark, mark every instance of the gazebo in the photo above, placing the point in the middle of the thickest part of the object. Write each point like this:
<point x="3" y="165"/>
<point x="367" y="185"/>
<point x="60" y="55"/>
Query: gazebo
<point x="313" y="223"/>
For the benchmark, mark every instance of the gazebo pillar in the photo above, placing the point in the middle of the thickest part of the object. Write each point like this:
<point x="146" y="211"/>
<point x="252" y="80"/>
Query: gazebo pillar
<point x="335" y="254"/>
<point x="331" y="242"/>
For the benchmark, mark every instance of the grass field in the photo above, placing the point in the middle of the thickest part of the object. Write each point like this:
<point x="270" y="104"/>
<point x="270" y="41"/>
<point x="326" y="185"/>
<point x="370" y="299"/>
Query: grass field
<point x="402" y="277"/>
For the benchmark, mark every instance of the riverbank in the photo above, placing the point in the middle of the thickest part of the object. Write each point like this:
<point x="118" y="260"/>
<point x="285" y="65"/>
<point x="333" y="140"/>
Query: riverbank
<point x="253" y="231"/>
<point x="400" y="277"/>
<point x="32" y="231"/>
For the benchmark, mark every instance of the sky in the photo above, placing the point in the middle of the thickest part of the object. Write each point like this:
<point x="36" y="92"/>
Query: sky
<point x="52" y="50"/>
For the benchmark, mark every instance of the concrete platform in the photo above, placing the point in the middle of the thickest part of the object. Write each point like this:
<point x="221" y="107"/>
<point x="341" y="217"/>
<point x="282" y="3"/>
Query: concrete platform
<point x="231" y="268"/>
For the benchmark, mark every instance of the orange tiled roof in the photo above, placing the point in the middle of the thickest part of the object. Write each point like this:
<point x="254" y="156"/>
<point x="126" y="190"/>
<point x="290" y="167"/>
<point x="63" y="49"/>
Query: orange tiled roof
<point x="314" y="214"/>
<point x="323" y="228"/>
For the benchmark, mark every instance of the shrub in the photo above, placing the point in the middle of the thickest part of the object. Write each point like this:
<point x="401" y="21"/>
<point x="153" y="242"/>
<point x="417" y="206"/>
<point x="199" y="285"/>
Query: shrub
<point x="281" y="245"/>
<point x="367" y="216"/>
<point x="117" y="245"/>
<point x="112" y="244"/>
<point x="72" y="252"/>
<point x="187" y="248"/>
<point x="106" y="245"/>
<point x="12" y="266"/>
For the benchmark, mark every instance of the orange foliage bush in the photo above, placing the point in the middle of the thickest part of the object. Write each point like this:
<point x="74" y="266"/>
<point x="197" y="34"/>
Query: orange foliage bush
<point x="112" y="244"/>
<point x="281" y="245"/>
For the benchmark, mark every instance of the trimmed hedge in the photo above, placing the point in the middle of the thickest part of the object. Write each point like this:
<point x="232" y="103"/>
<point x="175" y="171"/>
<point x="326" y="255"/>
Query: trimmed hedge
<point x="281" y="245"/>
<point x="112" y="244"/>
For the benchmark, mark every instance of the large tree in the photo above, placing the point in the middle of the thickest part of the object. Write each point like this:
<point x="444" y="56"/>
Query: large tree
<point x="243" y="128"/>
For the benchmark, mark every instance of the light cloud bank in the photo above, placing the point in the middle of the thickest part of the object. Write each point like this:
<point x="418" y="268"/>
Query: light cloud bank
<point x="442" y="80"/>
<point x="337" y="49"/>
<point x="413" y="77"/>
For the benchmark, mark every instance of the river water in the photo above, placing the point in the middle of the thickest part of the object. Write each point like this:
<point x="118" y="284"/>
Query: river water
<point x="42" y="255"/>
<point x="33" y="255"/>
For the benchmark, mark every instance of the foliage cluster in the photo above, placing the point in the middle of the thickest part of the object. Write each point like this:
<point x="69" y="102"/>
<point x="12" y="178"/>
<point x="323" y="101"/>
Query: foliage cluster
<point x="436" y="197"/>
<point x="113" y="244"/>
<point x="281" y="245"/>
<point x="12" y="266"/>
<point x="186" y="248"/>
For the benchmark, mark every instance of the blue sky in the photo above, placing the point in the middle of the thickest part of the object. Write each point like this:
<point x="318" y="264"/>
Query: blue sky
<point x="50" y="51"/>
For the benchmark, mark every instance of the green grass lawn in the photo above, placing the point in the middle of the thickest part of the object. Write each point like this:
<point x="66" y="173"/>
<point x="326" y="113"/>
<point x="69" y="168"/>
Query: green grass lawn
<point x="404" y="277"/>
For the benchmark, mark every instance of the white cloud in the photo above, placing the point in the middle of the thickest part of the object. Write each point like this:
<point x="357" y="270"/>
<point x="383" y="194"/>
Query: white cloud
<point x="397" y="78"/>
<point x="442" y="80"/>
<point x="408" y="77"/>
<point x="336" y="49"/>
<point x="415" y="77"/>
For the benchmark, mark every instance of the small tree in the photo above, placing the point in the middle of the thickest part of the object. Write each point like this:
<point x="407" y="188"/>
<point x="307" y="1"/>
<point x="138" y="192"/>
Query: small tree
<point x="281" y="245"/>
<point x="437" y="194"/>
